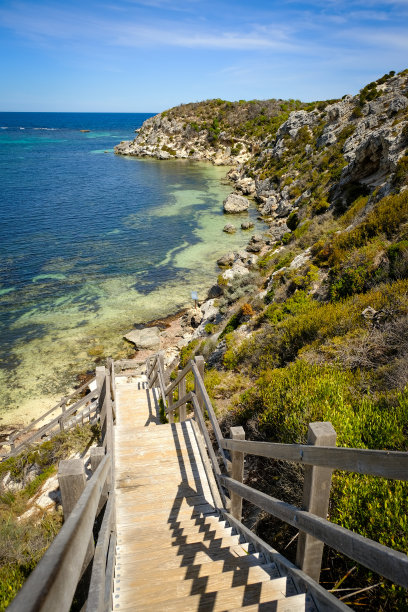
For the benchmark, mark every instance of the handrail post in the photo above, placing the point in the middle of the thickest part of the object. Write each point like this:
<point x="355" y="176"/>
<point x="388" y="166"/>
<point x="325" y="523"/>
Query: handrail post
<point x="96" y="456"/>
<point x="181" y="393"/>
<point x="316" y="495"/>
<point x="100" y="377"/>
<point x="200" y="363"/>
<point x="72" y="482"/>
<point x="237" y="472"/>
<point x="170" y="412"/>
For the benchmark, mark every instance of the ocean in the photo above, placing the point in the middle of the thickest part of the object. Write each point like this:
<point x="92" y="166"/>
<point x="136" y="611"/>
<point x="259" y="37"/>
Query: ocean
<point x="92" y="243"/>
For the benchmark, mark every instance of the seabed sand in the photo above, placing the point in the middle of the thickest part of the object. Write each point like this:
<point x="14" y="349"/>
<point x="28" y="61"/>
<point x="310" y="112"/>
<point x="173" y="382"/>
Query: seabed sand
<point x="97" y="313"/>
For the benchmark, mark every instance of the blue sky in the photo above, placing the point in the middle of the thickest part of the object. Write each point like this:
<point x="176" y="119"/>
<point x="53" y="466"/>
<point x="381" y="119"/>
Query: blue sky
<point x="145" y="56"/>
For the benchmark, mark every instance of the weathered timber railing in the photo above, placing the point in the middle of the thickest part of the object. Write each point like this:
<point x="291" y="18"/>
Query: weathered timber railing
<point x="67" y="417"/>
<point x="73" y="556"/>
<point x="320" y="457"/>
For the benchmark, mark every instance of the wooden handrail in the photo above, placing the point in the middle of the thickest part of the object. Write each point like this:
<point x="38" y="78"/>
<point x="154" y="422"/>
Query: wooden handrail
<point x="53" y="582"/>
<point x="210" y="411"/>
<point x="97" y="600"/>
<point x="382" y="560"/>
<point x="387" y="464"/>
<point x="54" y="423"/>
<point x="213" y="458"/>
<point x="50" y="411"/>
<point x="184" y="400"/>
<point x="313" y="526"/>
<point x="188" y="368"/>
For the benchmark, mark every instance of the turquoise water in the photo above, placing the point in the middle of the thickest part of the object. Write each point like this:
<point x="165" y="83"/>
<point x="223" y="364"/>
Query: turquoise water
<point x="91" y="243"/>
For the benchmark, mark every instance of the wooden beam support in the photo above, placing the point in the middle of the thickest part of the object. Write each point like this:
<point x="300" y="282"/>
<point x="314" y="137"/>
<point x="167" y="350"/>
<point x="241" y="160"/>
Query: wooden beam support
<point x="237" y="472"/>
<point x="316" y="495"/>
<point x="72" y="482"/>
<point x="200" y="363"/>
<point x="182" y="393"/>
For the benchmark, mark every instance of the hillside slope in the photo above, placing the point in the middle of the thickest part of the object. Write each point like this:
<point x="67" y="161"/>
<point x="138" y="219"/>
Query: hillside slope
<point x="313" y="324"/>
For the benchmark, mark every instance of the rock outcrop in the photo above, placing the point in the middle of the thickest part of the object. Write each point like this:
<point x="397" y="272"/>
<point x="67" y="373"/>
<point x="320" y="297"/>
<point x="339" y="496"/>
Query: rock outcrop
<point x="146" y="338"/>
<point x="235" y="204"/>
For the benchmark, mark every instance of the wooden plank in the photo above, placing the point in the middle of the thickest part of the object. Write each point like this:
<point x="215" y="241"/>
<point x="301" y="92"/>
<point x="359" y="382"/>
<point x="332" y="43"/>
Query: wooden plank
<point x="382" y="560"/>
<point x="210" y="449"/>
<point x="51" y="586"/>
<point x="316" y="496"/>
<point x="216" y="497"/>
<point x="180" y="377"/>
<point x="237" y="471"/>
<point x="167" y="551"/>
<point x="387" y="464"/>
<point x="210" y="410"/>
<point x="166" y="515"/>
<point x="295" y="603"/>
<point x="188" y="572"/>
<point x="228" y="556"/>
<point x="209" y="602"/>
<point x="170" y="536"/>
<point x="96" y="593"/>
<point x="147" y="590"/>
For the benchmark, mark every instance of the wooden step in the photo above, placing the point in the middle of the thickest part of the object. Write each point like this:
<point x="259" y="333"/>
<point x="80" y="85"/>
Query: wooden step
<point x="224" y="599"/>
<point x="168" y="549"/>
<point x="147" y="590"/>
<point x="189" y="572"/>
<point x="171" y="535"/>
<point x="197" y="524"/>
<point x="161" y="504"/>
<point x="163" y="562"/>
<point x="165" y="516"/>
<point x="294" y="603"/>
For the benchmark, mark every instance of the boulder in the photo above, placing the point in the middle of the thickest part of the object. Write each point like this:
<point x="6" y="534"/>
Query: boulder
<point x="235" y="204"/>
<point x="284" y="209"/>
<point x="193" y="317"/>
<point x="256" y="243"/>
<point x="226" y="260"/>
<point x="246" y="225"/>
<point x="215" y="291"/>
<point x="146" y="338"/>
<point x="229" y="228"/>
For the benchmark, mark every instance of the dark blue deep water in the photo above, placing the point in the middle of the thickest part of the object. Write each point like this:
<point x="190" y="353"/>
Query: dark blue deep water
<point x="91" y="242"/>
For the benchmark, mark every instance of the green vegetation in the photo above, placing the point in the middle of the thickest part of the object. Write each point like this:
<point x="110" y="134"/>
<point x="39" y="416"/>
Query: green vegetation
<point x="23" y="541"/>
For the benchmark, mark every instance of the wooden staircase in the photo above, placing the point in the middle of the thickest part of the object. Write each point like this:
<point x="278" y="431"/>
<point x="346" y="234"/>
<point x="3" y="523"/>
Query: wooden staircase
<point x="173" y="551"/>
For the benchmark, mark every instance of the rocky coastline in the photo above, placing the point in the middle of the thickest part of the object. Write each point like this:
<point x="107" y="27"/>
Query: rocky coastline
<point x="315" y="161"/>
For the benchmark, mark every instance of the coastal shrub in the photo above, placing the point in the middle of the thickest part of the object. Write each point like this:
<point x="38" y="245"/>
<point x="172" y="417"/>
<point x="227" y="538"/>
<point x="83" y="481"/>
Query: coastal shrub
<point x="401" y="172"/>
<point x="232" y="324"/>
<point x="292" y="221"/>
<point x="23" y="542"/>
<point x="210" y="328"/>
<point x="398" y="257"/>
<point x="301" y="323"/>
<point x="187" y="352"/>
<point x="385" y="219"/>
<point x="168" y="150"/>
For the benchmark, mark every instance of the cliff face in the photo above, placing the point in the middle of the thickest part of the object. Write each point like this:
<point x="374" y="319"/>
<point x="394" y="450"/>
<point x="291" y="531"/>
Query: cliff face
<point x="291" y="156"/>
<point x="328" y="157"/>
<point x="216" y="130"/>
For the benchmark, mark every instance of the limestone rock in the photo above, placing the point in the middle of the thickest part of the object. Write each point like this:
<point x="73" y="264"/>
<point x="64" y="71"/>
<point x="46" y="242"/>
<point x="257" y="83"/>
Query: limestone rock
<point x="226" y="260"/>
<point x="246" y="225"/>
<point x="229" y="228"/>
<point x="235" y="204"/>
<point x="146" y="338"/>
<point x="193" y="317"/>
<point x="256" y="243"/>
<point x="284" y="209"/>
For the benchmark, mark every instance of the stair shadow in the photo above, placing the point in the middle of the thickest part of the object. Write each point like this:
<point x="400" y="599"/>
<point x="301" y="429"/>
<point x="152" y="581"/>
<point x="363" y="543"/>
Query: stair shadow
<point x="211" y="546"/>
<point x="154" y="409"/>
